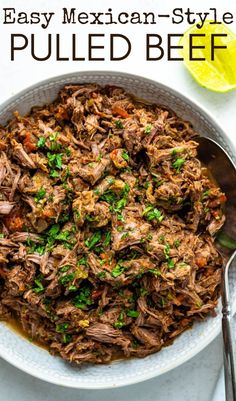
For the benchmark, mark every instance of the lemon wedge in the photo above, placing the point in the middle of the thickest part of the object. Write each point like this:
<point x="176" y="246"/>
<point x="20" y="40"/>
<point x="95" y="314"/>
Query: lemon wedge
<point x="218" y="75"/>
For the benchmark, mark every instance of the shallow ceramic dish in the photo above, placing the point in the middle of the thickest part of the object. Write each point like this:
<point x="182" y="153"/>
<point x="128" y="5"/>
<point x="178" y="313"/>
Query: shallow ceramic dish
<point x="37" y="361"/>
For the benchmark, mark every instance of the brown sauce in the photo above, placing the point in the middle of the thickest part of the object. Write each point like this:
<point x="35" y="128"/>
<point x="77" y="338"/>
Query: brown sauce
<point x="14" y="325"/>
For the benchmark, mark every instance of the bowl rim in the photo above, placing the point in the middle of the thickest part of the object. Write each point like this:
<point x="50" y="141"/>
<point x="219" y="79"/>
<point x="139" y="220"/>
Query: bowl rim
<point x="201" y="345"/>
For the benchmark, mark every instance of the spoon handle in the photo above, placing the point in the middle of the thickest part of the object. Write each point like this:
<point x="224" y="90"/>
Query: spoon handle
<point x="228" y="340"/>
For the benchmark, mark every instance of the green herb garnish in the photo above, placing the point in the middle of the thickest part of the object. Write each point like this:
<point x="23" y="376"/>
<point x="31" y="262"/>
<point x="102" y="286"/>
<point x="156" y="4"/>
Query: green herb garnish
<point x="66" y="338"/>
<point x="132" y="313"/>
<point x="82" y="261"/>
<point x="67" y="278"/>
<point x="120" y="321"/>
<point x="119" y="124"/>
<point x="117" y="271"/>
<point x="54" y="174"/>
<point x="62" y="327"/>
<point x="110" y="181"/>
<point x="178" y="163"/>
<point x="125" y="155"/>
<point x="101" y="275"/>
<point x="156" y="272"/>
<point x="41" y="142"/>
<point x="83" y="299"/>
<point x="92" y="241"/>
<point x="107" y="239"/>
<point x="177" y="243"/>
<point x="39" y="286"/>
<point x="54" y="160"/>
<point x="152" y="213"/>
<point x="147" y="129"/>
<point x="64" y="269"/>
<point x="40" y="195"/>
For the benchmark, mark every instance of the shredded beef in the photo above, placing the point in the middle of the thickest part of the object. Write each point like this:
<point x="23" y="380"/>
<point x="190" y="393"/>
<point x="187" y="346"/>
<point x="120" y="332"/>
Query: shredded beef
<point x="107" y="224"/>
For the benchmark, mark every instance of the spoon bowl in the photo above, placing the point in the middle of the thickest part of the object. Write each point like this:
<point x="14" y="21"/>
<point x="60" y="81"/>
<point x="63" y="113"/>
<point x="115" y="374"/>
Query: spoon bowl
<point x="223" y="170"/>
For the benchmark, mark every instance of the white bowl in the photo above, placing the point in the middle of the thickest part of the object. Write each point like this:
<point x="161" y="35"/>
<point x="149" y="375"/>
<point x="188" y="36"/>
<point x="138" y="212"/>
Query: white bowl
<point x="37" y="361"/>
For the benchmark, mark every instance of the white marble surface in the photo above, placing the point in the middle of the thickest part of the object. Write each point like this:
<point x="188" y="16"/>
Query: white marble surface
<point x="195" y="380"/>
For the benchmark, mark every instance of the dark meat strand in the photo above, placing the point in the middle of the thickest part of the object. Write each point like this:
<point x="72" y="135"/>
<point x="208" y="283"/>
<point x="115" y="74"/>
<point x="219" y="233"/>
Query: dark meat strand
<point x="107" y="224"/>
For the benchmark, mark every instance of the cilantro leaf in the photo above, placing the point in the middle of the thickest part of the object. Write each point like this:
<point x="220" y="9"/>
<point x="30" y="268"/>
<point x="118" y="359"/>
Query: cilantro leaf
<point x="147" y="129"/>
<point x="152" y="213"/>
<point x="178" y="163"/>
<point x="83" y="299"/>
<point x="117" y="271"/>
<point x="92" y="241"/>
<point x="132" y="313"/>
<point x="125" y="155"/>
<point x="40" y="195"/>
<point x="60" y="328"/>
<point x="118" y="124"/>
<point x="41" y="142"/>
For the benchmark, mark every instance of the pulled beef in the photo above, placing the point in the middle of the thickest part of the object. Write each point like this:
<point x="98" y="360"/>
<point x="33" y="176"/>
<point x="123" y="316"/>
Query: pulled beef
<point x="107" y="224"/>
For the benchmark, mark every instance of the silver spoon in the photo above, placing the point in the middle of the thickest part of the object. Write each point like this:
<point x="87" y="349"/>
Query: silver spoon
<point x="223" y="171"/>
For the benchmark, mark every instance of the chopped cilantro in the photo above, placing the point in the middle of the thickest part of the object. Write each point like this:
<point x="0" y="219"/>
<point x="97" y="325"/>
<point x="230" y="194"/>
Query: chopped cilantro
<point x="120" y="205"/>
<point x="39" y="286"/>
<point x="167" y="251"/>
<point x="117" y="271"/>
<point x="205" y="194"/>
<point x="162" y="238"/>
<point x="107" y="239"/>
<point x="40" y="195"/>
<point x="66" y="338"/>
<point x="54" y="160"/>
<point x="177" y="243"/>
<point x="67" y="151"/>
<point x="101" y="275"/>
<point x="110" y="181"/>
<point x="132" y="313"/>
<point x="92" y="241"/>
<point x="156" y="272"/>
<point x="82" y="261"/>
<point x="83" y="299"/>
<point x="147" y="129"/>
<point x="125" y="235"/>
<point x="64" y="268"/>
<point x="152" y="213"/>
<point x="176" y="150"/>
<point x="119" y="124"/>
<point x="54" y="144"/>
<point x="72" y="288"/>
<point x="108" y="196"/>
<point x="125" y="155"/>
<point x="178" y="163"/>
<point x="62" y="327"/>
<point x="170" y="263"/>
<point x="54" y="174"/>
<point x="120" y="321"/>
<point x="96" y="191"/>
<point x="143" y="292"/>
<point x="41" y="142"/>
<point x="89" y="218"/>
<point x="67" y="278"/>
<point x="63" y="236"/>
<point x="33" y="247"/>
<point x="99" y="158"/>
